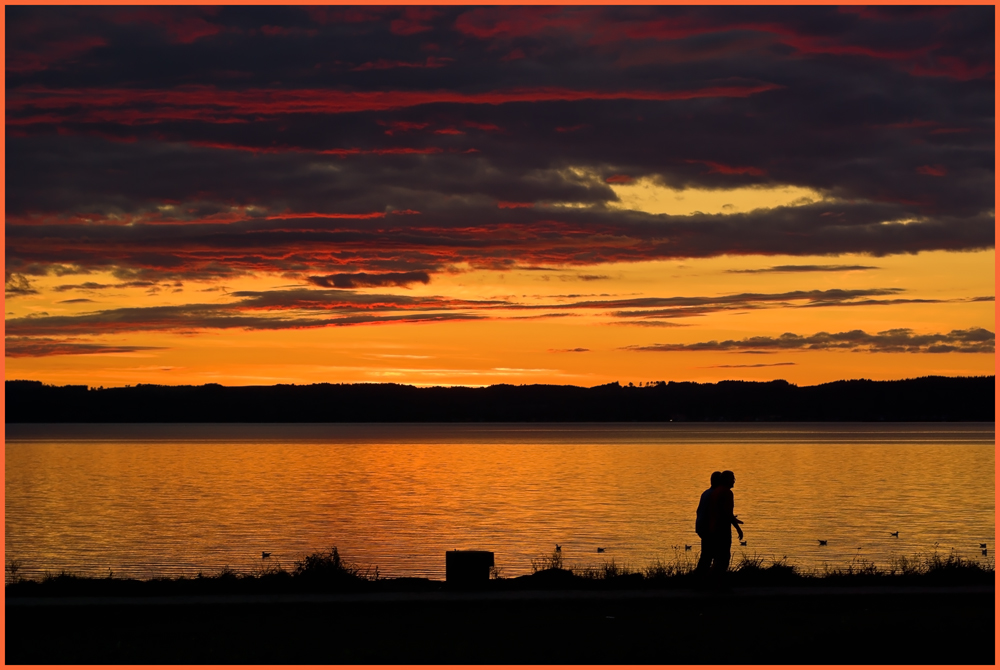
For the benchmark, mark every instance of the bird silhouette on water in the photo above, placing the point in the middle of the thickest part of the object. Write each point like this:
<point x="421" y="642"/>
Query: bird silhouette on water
<point x="265" y="554"/>
<point x="822" y="543"/>
<point x="743" y="543"/>
<point x="984" y="552"/>
<point x="600" y="550"/>
<point x="687" y="547"/>
<point x="982" y="545"/>
<point x="558" y="547"/>
<point x="896" y="534"/>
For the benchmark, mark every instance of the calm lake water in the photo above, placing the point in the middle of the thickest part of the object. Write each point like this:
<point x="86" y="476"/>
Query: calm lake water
<point x="167" y="500"/>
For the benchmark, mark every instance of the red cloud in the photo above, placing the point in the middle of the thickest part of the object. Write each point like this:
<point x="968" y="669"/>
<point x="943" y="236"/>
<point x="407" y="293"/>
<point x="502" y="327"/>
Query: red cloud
<point x="52" y="53"/>
<point x="402" y="126"/>
<point x="381" y="152"/>
<point x="618" y="179"/>
<point x="720" y="168"/>
<point x="932" y="170"/>
<point x="213" y="105"/>
<point x="279" y="31"/>
<point x="351" y="151"/>
<point x="510" y="22"/>
<point x="659" y="29"/>
<point x="886" y="13"/>
<point x="326" y="215"/>
<point x="315" y="242"/>
<point x="912" y="123"/>
<point x="920" y="60"/>
<point x="949" y="131"/>
<point x="595" y="29"/>
<point x="809" y="44"/>
<point x="503" y="204"/>
<point x="413" y="21"/>
<point x="383" y="64"/>
<point x="955" y="68"/>
<point x="488" y="127"/>
<point x="183" y="28"/>
<point x="328" y="15"/>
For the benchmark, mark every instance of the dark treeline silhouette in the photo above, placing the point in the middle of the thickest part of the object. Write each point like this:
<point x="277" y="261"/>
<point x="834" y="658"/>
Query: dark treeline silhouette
<point x="923" y="399"/>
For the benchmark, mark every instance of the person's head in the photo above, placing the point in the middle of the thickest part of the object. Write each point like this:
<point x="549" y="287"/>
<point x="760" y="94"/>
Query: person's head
<point x="716" y="478"/>
<point x="728" y="478"/>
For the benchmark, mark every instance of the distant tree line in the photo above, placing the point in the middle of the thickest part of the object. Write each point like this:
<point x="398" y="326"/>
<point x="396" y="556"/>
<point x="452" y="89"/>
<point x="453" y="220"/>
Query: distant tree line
<point x="923" y="399"/>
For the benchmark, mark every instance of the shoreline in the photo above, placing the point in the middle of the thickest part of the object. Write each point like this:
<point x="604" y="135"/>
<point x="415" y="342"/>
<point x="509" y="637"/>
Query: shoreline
<point x="929" y="398"/>
<point x="329" y="573"/>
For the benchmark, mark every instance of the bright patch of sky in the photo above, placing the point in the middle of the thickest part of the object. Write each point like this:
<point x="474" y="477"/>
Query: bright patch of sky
<point x="645" y="195"/>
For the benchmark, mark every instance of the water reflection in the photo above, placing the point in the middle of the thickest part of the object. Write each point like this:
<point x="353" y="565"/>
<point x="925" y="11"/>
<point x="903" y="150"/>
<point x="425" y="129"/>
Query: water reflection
<point x="168" y="500"/>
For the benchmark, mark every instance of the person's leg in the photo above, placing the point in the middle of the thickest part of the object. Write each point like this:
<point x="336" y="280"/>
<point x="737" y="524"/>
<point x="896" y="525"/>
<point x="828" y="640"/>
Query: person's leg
<point x="725" y="555"/>
<point x="705" y="560"/>
<point x="721" y="554"/>
<point x="703" y="572"/>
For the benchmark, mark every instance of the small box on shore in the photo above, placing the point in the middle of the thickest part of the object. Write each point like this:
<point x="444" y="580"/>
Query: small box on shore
<point x="467" y="567"/>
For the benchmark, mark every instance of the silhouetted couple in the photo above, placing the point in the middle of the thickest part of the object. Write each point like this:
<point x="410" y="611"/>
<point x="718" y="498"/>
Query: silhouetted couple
<point x="714" y="522"/>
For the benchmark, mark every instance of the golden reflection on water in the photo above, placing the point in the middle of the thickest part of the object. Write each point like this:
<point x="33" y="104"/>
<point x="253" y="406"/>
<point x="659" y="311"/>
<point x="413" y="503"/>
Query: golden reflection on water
<point x="168" y="500"/>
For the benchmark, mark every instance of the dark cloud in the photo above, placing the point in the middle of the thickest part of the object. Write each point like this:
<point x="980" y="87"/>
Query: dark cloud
<point x="209" y="104"/>
<point x="676" y="307"/>
<point x="300" y="307"/>
<point x="648" y="310"/>
<point x="364" y="280"/>
<point x="16" y="285"/>
<point x="95" y="286"/>
<point x="348" y="301"/>
<point x="568" y="351"/>
<point x="681" y="306"/>
<point x="750" y="365"/>
<point x="650" y="323"/>
<point x="33" y="347"/>
<point x="429" y="244"/>
<point x="890" y="301"/>
<point x="74" y="300"/>
<point x="898" y="340"/>
<point x="347" y="141"/>
<point x="195" y="317"/>
<point x="547" y="315"/>
<point x="376" y="147"/>
<point x="254" y="310"/>
<point x="807" y="268"/>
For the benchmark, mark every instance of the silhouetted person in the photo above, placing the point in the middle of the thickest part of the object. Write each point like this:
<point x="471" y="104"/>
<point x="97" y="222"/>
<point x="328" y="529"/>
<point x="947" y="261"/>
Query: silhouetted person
<point x="701" y="524"/>
<point x="721" y="520"/>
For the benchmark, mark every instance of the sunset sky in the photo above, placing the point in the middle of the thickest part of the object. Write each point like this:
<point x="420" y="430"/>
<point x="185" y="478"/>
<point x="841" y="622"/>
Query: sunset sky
<point x="474" y="196"/>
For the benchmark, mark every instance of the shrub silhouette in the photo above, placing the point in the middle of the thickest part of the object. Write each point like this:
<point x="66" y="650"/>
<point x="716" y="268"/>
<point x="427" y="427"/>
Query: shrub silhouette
<point x="329" y="568"/>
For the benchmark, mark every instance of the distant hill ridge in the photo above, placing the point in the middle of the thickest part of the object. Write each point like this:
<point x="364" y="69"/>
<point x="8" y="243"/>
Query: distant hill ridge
<point x="921" y="399"/>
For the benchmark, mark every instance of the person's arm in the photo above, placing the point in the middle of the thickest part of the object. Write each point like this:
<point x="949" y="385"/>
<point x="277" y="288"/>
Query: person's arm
<point x="736" y="525"/>
<point x="736" y="522"/>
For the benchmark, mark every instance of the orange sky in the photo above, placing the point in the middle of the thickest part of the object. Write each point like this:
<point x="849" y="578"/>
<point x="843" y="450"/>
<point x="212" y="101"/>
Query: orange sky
<point x="524" y="346"/>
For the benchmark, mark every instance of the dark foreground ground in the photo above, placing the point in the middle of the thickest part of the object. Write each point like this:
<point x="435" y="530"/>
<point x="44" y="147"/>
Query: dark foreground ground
<point x="877" y="625"/>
